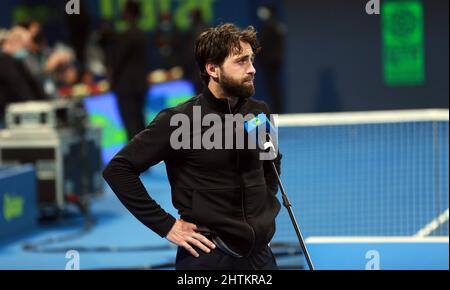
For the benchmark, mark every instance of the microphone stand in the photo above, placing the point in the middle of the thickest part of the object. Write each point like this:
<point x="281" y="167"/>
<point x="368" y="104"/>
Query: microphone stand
<point x="268" y="145"/>
<point x="287" y="204"/>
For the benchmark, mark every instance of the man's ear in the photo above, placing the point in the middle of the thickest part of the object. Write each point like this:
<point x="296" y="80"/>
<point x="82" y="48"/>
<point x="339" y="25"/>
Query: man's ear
<point x="212" y="70"/>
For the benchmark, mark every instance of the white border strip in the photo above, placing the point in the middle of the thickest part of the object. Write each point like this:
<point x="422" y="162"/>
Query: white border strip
<point x="369" y="117"/>
<point x="377" y="240"/>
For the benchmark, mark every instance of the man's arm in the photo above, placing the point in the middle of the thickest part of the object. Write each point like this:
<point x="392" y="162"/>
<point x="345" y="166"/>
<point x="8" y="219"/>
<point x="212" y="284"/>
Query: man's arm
<point x="146" y="149"/>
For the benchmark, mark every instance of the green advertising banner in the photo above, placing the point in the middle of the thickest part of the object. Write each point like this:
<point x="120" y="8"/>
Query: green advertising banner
<point x="403" y="43"/>
<point x="152" y="9"/>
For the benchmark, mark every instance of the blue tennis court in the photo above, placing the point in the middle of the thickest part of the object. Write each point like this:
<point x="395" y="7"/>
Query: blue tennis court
<point x="383" y="183"/>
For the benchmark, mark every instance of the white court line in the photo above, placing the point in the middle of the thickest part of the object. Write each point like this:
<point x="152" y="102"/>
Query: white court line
<point x="377" y="240"/>
<point x="433" y="225"/>
<point x="368" y="117"/>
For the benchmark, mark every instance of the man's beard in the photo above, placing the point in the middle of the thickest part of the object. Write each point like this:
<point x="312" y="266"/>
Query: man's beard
<point x="235" y="88"/>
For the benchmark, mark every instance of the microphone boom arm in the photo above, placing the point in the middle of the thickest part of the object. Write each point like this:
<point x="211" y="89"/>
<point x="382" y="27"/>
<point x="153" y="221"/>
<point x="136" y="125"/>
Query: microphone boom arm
<point x="288" y="206"/>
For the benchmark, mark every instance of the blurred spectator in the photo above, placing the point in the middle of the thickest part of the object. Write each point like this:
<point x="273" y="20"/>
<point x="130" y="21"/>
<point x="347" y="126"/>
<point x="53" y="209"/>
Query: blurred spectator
<point x="52" y="68"/>
<point x="17" y="83"/>
<point x="167" y="40"/>
<point x="96" y="61"/>
<point x="106" y="38"/>
<point x="79" y="29"/>
<point x="38" y="55"/>
<point x="17" y="42"/>
<point x="62" y="66"/>
<point x="36" y="47"/>
<point x="189" y="65"/>
<point x="271" y="56"/>
<point x="129" y="71"/>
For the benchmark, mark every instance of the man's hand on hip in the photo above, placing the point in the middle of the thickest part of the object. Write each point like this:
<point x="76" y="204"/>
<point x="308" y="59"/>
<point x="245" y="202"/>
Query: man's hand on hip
<point x="184" y="234"/>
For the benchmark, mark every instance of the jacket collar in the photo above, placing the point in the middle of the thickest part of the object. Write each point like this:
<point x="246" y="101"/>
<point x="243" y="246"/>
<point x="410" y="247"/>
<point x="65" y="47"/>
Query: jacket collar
<point x="220" y="105"/>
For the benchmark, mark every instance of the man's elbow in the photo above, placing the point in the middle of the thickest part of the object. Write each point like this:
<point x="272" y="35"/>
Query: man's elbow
<point x="107" y="172"/>
<point x="111" y="169"/>
<point x="118" y="167"/>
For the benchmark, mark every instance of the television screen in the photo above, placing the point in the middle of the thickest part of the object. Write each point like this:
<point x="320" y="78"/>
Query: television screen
<point x="104" y="112"/>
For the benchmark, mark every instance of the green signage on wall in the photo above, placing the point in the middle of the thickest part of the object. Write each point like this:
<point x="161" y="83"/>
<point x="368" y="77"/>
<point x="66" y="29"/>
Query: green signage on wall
<point x="403" y="42"/>
<point x="13" y="206"/>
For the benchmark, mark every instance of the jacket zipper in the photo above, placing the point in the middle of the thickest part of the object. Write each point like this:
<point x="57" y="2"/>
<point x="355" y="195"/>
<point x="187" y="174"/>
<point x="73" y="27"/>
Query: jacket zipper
<point x="241" y="183"/>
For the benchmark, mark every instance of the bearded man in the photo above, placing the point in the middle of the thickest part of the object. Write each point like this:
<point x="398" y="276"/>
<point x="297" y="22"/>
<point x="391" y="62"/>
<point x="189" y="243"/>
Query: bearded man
<point x="226" y="198"/>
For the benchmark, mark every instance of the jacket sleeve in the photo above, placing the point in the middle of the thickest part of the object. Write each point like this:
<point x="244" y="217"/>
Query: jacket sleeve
<point x="269" y="174"/>
<point x="146" y="149"/>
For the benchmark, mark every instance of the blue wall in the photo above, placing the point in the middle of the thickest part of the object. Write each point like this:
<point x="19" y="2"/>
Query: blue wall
<point x="334" y="63"/>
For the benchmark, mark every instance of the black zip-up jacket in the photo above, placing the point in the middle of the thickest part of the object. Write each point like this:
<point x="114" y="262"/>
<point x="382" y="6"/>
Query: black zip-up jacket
<point x="230" y="191"/>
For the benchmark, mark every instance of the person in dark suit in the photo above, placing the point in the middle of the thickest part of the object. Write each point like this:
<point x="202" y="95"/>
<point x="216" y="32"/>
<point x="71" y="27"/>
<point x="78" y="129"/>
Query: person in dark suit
<point x="129" y="71"/>
<point x="271" y="57"/>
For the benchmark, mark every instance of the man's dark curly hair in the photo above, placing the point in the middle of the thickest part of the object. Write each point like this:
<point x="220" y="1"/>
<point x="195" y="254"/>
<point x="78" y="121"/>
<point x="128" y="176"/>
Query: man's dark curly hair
<point x="217" y="43"/>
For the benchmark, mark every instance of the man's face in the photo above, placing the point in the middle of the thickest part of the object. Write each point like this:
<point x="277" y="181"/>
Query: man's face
<point x="237" y="72"/>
